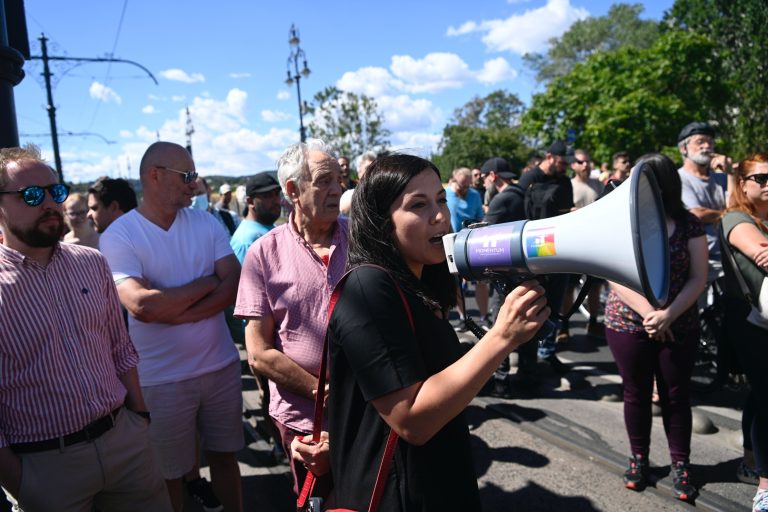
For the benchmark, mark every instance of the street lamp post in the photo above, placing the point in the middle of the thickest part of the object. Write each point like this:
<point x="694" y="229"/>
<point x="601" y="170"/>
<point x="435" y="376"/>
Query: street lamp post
<point x="296" y="55"/>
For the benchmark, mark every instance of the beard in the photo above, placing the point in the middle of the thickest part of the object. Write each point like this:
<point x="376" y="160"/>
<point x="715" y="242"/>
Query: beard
<point x="266" y="217"/>
<point x="37" y="237"/>
<point x="701" y="158"/>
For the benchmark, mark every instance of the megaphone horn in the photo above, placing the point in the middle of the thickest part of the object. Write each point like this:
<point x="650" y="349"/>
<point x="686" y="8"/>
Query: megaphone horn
<point x="621" y="238"/>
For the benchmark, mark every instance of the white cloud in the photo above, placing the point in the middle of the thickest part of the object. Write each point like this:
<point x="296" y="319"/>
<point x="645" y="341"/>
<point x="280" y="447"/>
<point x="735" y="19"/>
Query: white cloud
<point x="149" y="109"/>
<point x="126" y="134"/>
<point x="101" y="92"/>
<point x="239" y="75"/>
<point x="371" y="81"/>
<point x="419" y="143"/>
<point x="496" y="70"/>
<point x="283" y="95"/>
<point x="274" y="116"/>
<point x="403" y="113"/>
<point x="179" y="75"/>
<point x="526" y="32"/>
<point x="177" y="99"/>
<point x="435" y="72"/>
<point x="466" y="28"/>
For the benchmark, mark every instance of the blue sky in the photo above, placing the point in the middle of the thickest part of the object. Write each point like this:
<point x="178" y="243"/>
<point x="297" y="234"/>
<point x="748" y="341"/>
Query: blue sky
<point x="226" y="60"/>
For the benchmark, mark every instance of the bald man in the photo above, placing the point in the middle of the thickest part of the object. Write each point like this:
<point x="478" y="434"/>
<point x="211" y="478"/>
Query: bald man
<point x="175" y="274"/>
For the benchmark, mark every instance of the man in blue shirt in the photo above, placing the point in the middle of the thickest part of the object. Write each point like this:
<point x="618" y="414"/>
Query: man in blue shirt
<point x="262" y="209"/>
<point x="466" y="204"/>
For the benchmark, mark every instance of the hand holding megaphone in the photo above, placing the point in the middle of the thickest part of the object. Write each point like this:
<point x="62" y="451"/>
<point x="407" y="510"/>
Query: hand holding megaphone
<point x="523" y="313"/>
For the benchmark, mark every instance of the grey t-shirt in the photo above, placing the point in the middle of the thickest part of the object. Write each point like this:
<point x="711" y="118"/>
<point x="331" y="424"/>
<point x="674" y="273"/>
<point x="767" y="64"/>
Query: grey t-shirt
<point x="704" y="193"/>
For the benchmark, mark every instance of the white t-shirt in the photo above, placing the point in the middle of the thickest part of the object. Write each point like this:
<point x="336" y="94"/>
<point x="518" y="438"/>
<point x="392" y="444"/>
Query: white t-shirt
<point x="136" y="247"/>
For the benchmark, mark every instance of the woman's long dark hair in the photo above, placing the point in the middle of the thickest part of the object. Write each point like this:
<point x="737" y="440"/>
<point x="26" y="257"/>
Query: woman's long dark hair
<point x="371" y="232"/>
<point x="670" y="186"/>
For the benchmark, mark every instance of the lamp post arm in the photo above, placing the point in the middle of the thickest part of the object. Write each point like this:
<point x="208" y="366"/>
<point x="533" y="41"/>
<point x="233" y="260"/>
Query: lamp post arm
<point x="105" y="59"/>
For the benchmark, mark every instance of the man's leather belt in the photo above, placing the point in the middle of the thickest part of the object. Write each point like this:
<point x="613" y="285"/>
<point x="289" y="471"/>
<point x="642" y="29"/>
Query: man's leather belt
<point x="91" y="431"/>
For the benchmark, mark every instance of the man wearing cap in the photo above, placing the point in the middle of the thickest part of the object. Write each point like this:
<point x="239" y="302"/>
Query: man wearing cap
<point x="704" y="190"/>
<point x="507" y="205"/>
<point x="262" y="209"/>
<point x="73" y="419"/>
<point x="551" y="173"/>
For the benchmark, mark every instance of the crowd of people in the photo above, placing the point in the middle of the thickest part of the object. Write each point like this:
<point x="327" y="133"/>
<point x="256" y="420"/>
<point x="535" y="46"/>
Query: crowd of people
<point x="146" y="375"/>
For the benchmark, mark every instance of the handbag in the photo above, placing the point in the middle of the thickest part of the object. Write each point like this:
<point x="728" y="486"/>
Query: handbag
<point x="306" y="503"/>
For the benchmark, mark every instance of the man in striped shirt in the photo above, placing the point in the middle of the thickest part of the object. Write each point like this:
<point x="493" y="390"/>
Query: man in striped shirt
<point x="72" y="414"/>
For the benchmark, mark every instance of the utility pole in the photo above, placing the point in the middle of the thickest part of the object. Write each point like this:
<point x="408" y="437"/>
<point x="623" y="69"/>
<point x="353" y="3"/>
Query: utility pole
<point x="189" y="131"/>
<point x="49" y="91"/>
<point x="14" y="48"/>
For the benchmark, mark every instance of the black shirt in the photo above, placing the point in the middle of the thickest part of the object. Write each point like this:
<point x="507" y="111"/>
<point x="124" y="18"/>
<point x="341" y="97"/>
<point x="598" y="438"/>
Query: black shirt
<point x="374" y="352"/>
<point x="507" y="206"/>
<point x="565" y="188"/>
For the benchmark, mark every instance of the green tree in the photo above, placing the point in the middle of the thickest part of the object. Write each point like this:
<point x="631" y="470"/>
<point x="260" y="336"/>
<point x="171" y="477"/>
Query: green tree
<point x="483" y="128"/>
<point x="739" y="31"/>
<point x="622" y="26"/>
<point x="632" y="99"/>
<point x="348" y="122"/>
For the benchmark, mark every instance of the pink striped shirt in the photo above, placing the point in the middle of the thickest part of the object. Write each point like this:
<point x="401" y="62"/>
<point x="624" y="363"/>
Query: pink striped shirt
<point x="63" y="344"/>
<point x="283" y="277"/>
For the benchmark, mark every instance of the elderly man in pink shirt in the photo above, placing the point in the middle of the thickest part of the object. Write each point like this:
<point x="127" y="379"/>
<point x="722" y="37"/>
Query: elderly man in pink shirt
<point x="287" y="279"/>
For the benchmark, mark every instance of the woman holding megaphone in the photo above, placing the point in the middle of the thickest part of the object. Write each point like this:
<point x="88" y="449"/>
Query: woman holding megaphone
<point x="396" y="364"/>
<point x="745" y="226"/>
<point x="661" y="342"/>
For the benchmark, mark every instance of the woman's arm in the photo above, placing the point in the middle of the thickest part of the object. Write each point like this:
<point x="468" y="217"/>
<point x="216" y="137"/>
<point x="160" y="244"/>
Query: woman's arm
<point x="419" y="411"/>
<point x="748" y="239"/>
<point x="637" y="302"/>
<point x="661" y="320"/>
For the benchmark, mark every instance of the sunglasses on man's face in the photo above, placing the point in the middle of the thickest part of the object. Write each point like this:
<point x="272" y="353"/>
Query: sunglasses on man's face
<point x="187" y="176"/>
<point x="760" y="179"/>
<point x="35" y="195"/>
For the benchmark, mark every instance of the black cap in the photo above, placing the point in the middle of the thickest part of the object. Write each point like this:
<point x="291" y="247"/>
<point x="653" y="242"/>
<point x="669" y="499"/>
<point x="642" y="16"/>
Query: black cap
<point x="558" y="148"/>
<point x="262" y="182"/>
<point x="695" y="128"/>
<point x="499" y="166"/>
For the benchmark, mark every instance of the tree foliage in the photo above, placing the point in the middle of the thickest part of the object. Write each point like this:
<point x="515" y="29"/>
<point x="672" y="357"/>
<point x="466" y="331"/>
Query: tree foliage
<point x="350" y="123"/>
<point x="739" y="31"/>
<point x="632" y="99"/>
<point x="483" y="128"/>
<point x="622" y="26"/>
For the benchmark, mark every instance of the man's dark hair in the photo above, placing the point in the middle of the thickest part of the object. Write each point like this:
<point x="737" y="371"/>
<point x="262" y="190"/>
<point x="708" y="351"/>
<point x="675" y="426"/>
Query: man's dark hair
<point x="107" y="190"/>
<point x="371" y="231"/>
<point x="620" y="154"/>
<point x="670" y="186"/>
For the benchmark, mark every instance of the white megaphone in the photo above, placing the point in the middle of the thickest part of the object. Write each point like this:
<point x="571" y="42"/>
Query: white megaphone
<point x="620" y="238"/>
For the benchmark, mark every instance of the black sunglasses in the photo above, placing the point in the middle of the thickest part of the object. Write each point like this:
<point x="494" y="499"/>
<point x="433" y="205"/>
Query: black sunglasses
<point x="760" y="179"/>
<point x="35" y="195"/>
<point x="187" y="176"/>
<point x="580" y="162"/>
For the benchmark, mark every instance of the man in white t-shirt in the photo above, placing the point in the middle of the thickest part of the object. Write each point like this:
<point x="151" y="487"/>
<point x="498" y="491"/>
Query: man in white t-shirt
<point x="175" y="274"/>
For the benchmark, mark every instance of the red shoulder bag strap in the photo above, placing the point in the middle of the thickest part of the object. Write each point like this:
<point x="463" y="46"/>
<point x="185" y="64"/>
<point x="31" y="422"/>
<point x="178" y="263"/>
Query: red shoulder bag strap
<point x="389" y="449"/>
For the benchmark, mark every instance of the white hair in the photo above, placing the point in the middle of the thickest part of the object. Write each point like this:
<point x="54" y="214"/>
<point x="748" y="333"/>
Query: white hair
<point x="292" y="164"/>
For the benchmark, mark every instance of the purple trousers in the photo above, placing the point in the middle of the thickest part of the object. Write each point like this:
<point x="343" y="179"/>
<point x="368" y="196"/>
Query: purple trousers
<point x="639" y="359"/>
